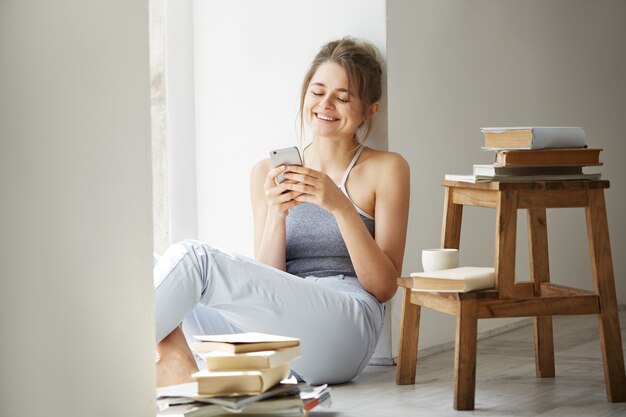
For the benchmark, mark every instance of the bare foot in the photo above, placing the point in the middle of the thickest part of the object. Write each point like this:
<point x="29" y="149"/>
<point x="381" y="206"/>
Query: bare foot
<point x="174" y="369"/>
<point x="176" y="362"/>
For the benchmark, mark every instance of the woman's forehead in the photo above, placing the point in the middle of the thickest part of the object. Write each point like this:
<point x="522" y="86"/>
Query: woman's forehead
<point x="331" y="75"/>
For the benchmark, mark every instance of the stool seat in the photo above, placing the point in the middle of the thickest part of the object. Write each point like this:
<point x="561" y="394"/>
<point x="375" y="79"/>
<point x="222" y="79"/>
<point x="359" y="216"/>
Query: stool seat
<point x="538" y="298"/>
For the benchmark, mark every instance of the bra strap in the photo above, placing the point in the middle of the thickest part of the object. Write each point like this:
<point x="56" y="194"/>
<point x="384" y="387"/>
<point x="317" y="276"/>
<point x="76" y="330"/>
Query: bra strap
<point x="354" y="159"/>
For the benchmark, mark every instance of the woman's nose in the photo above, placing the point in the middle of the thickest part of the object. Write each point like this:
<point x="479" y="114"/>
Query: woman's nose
<point x="325" y="103"/>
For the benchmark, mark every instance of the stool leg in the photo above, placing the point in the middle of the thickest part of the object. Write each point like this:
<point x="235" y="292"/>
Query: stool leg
<point x="409" y="338"/>
<point x="465" y="355"/>
<point x="540" y="272"/>
<point x="602" y="267"/>
<point x="451" y="224"/>
<point x="506" y="229"/>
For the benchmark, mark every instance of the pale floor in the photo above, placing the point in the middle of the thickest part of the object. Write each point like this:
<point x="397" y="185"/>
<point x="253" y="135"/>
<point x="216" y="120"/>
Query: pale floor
<point x="505" y="380"/>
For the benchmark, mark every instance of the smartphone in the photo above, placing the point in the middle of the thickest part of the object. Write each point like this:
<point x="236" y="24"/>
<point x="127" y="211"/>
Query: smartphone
<point x="285" y="156"/>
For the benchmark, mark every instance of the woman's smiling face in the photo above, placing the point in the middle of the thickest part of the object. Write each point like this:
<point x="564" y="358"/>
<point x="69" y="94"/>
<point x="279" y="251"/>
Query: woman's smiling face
<point x="330" y="109"/>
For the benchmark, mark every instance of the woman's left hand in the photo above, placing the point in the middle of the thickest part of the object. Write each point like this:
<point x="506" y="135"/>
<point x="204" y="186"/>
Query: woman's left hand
<point x="317" y="188"/>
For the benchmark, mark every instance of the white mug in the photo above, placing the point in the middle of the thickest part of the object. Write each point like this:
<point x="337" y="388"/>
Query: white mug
<point x="437" y="259"/>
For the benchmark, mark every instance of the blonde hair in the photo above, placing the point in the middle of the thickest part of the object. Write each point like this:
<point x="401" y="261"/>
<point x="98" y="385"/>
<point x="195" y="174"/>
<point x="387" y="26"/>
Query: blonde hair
<point x="360" y="60"/>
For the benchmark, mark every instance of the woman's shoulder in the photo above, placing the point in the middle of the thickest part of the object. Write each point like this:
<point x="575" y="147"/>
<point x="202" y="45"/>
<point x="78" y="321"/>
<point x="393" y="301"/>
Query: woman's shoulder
<point x="388" y="173"/>
<point x="262" y="167"/>
<point x="382" y="162"/>
<point x="259" y="173"/>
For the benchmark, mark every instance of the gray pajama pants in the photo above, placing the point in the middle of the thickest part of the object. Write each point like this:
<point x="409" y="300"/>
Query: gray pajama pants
<point x="211" y="291"/>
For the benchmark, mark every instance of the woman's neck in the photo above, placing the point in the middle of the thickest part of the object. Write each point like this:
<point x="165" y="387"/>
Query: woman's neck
<point x="330" y="156"/>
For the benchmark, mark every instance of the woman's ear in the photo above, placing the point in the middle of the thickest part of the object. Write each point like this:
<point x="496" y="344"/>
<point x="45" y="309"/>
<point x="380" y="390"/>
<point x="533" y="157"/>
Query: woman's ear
<point x="374" y="109"/>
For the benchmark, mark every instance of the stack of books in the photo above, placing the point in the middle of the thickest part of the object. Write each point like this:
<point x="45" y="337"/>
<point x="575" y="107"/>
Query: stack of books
<point x="286" y="400"/>
<point x="534" y="154"/>
<point x="243" y="376"/>
<point x="244" y="363"/>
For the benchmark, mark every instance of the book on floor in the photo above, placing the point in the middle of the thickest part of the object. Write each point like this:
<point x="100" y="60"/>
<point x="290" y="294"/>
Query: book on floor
<point x="281" y="400"/>
<point x="240" y="382"/>
<point x="292" y="406"/>
<point x="316" y="396"/>
<point x="462" y="279"/>
<point x="519" y="178"/>
<point x="191" y="409"/>
<point x="539" y="137"/>
<point x="225" y="361"/>
<point x="549" y="157"/>
<point x="243" y="342"/>
<point x="188" y="392"/>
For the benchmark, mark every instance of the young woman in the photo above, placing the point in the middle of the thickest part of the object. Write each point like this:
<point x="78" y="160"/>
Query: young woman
<point x="329" y="240"/>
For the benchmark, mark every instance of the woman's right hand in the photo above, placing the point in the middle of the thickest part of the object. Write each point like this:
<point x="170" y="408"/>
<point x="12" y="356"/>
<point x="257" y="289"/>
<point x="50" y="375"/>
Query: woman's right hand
<point x="279" y="199"/>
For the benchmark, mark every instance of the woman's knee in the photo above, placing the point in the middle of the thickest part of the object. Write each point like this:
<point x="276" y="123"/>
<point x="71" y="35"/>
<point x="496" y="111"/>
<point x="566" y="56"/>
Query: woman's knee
<point x="180" y="248"/>
<point x="327" y="375"/>
<point x="183" y="260"/>
<point x="198" y="251"/>
<point x="330" y="370"/>
<point x="192" y="244"/>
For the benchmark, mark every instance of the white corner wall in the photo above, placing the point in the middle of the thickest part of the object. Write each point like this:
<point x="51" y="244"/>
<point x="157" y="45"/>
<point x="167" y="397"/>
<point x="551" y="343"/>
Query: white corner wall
<point x="249" y="61"/>
<point x="76" y="309"/>
<point x="181" y="140"/>
<point x="250" y="58"/>
<point x="455" y="66"/>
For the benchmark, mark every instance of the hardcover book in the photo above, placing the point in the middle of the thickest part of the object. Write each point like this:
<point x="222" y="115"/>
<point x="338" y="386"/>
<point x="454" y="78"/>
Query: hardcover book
<point x="519" y="178"/>
<point x="494" y="170"/>
<point x="240" y="382"/>
<point x="224" y="361"/>
<point x="462" y="279"/>
<point x="188" y="392"/>
<point x="292" y="406"/>
<point x="549" y="157"/>
<point x="533" y="137"/>
<point x="243" y="342"/>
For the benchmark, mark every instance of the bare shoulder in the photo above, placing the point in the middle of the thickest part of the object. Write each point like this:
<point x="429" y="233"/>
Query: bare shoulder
<point x="261" y="168"/>
<point x="257" y="177"/>
<point x="385" y="165"/>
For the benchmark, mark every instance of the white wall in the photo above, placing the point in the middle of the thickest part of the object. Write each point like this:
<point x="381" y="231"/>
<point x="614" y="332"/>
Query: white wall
<point x="181" y="140"/>
<point x="454" y="66"/>
<point x="76" y="309"/>
<point x="250" y="60"/>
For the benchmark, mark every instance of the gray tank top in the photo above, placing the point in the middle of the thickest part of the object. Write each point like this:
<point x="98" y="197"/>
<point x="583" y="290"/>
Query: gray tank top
<point x="314" y="245"/>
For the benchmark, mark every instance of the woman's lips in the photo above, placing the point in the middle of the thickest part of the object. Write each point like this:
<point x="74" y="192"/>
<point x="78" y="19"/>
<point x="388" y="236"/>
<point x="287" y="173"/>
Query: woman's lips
<point x="326" y="118"/>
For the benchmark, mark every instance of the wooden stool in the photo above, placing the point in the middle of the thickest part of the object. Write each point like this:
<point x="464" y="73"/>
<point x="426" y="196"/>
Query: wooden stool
<point x="539" y="298"/>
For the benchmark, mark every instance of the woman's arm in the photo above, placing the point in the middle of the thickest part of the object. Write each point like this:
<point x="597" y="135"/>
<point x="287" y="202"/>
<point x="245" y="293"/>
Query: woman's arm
<point x="377" y="262"/>
<point x="270" y="205"/>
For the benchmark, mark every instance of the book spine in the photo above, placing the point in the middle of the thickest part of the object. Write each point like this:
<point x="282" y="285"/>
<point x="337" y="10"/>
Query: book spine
<point x="490" y="170"/>
<point x="565" y="157"/>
